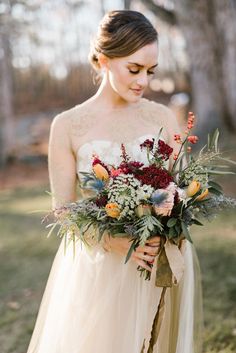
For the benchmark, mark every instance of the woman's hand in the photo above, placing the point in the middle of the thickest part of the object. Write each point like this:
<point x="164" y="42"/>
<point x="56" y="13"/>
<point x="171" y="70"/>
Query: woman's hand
<point x="142" y="255"/>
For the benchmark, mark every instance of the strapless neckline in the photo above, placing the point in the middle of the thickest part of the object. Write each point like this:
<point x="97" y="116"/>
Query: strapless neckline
<point x="139" y="139"/>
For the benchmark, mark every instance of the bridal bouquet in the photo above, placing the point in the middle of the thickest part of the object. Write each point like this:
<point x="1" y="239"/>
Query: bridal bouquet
<point x="142" y="200"/>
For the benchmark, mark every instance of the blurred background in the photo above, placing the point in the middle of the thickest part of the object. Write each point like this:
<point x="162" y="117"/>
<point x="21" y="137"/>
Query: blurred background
<point x="44" y="70"/>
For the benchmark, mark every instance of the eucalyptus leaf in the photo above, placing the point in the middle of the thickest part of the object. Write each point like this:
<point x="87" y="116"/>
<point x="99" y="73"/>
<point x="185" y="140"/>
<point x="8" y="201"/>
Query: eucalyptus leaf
<point x="215" y="185"/>
<point x="172" y="233"/>
<point x="215" y="191"/>
<point x="197" y="222"/>
<point x="53" y="226"/>
<point x="171" y="222"/>
<point x="186" y="231"/>
<point x="219" y="172"/>
<point x="227" y="160"/>
<point x="131" y="249"/>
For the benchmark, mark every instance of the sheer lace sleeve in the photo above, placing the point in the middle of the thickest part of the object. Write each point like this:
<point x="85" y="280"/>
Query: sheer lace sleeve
<point x="61" y="162"/>
<point x="165" y="117"/>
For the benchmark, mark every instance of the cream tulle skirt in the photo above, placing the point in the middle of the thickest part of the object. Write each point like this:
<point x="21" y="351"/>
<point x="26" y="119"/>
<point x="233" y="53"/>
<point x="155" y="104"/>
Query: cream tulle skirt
<point x="97" y="304"/>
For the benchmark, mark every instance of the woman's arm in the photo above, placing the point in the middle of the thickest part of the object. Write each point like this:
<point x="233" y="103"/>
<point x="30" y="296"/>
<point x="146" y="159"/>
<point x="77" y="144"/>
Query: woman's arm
<point x="61" y="162"/>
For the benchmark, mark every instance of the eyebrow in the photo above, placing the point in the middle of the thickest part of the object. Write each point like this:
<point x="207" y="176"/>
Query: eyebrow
<point x="139" y="65"/>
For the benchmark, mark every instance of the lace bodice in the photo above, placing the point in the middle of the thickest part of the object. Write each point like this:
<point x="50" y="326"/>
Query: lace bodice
<point x="109" y="152"/>
<point x="76" y="134"/>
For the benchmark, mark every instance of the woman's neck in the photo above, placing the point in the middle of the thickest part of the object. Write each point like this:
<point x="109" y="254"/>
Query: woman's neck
<point x="108" y="99"/>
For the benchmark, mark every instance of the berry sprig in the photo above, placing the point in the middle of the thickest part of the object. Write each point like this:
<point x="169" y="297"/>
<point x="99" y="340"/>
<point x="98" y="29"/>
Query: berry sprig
<point x="188" y="138"/>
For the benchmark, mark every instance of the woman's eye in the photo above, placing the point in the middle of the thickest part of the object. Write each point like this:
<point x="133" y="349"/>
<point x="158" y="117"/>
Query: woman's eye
<point x="133" y="71"/>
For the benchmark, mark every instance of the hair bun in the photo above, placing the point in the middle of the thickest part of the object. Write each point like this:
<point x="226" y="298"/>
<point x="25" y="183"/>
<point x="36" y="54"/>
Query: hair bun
<point x="93" y="58"/>
<point x="120" y="34"/>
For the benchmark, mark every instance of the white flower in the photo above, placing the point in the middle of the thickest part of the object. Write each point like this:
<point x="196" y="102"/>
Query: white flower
<point x="128" y="193"/>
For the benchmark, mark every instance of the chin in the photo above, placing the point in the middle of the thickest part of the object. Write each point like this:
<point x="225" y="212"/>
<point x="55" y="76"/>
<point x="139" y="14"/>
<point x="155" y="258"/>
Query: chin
<point x="130" y="98"/>
<point x="135" y="99"/>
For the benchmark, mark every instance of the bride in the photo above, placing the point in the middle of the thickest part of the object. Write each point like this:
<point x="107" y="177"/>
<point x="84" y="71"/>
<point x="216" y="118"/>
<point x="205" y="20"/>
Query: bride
<point x="96" y="303"/>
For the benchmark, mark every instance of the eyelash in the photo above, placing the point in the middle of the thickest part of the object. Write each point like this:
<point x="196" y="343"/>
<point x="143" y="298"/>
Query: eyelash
<point x="136" y="72"/>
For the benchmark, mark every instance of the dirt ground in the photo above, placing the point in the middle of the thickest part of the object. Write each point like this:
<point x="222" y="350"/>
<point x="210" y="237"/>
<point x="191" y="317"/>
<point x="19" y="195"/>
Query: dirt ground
<point x="17" y="175"/>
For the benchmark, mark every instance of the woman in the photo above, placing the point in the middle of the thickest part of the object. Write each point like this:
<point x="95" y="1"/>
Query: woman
<point x="96" y="303"/>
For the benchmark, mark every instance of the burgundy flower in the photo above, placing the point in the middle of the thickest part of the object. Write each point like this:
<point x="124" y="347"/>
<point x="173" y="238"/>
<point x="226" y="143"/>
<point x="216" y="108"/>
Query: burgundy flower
<point x="101" y="201"/>
<point x="164" y="150"/>
<point x="130" y="167"/>
<point x="147" y="144"/>
<point x="124" y="154"/>
<point x="154" y="176"/>
<point x="176" y="198"/>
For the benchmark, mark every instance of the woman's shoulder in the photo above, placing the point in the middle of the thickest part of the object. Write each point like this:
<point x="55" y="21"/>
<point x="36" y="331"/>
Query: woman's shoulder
<point x="161" y="115"/>
<point x="157" y="108"/>
<point x="74" y="119"/>
<point x="66" y="116"/>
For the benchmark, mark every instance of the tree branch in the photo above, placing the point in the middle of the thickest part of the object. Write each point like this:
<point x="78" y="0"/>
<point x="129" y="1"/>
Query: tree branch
<point x="164" y="14"/>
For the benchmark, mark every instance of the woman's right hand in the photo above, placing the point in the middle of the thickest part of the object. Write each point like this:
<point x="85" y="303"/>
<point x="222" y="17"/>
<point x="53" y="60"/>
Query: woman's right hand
<point x="142" y="255"/>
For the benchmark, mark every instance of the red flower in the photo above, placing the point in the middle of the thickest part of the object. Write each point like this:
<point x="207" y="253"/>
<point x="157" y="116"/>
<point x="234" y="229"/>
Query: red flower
<point x="154" y="176"/>
<point x="191" y="119"/>
<point x="115" y="172"/>
<point x="147" y="144"/>
<point x="164" y="150"/>
<point x="177" y="138"/>
<point x="193" y="139"/>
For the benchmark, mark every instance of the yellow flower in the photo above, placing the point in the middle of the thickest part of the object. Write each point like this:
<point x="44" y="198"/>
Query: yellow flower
<point x="143" y="210"/>
<point x="100" y="172"/>
<point x="202" y="195"/>
<point x="193" y="188"/>
<point x="112" y="210"/>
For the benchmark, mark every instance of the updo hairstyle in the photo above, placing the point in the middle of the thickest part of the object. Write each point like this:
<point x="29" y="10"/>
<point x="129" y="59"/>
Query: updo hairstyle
<point x="120" y="34"/>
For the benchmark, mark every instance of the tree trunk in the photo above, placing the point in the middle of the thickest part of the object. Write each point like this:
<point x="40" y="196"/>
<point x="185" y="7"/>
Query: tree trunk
<point x="209" y="28"/>
<point x="205" y="70"/>
<point x="7" y="131"/>
<point x="225" y="24"/>
<point x="127" y="4"/>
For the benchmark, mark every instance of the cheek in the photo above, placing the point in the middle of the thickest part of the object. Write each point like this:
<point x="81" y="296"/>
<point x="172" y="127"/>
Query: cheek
<point x="120" y="79"/>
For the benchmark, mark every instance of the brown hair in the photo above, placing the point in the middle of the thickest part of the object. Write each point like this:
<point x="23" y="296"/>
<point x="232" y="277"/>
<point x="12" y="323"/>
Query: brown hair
<point x="120" y="34"/>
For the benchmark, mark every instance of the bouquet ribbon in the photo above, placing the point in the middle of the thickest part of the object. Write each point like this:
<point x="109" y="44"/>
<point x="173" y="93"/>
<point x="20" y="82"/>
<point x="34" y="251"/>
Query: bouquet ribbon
<point x="170" y="269"/>
<point x="170" y="264"/>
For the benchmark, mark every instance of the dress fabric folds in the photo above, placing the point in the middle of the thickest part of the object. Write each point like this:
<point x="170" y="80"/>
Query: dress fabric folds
<point x="95" y="303"/>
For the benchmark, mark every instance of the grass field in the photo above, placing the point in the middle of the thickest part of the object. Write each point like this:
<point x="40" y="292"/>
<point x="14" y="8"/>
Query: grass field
<point x="26" y="256"/>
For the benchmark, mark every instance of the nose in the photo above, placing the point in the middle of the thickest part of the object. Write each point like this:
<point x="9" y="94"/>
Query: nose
<point x="142" y="80"/>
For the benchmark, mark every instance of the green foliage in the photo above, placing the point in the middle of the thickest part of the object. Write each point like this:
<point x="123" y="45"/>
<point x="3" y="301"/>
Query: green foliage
<point x="146" y="226"/>
<point x="186" y="231"/>
<point x="25" y="265"/>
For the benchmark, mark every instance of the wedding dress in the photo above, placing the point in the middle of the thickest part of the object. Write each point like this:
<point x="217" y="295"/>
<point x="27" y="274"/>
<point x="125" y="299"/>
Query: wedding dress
<point x="95" y="303"/>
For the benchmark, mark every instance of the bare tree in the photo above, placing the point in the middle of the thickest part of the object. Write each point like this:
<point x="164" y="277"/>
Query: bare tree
<point x="6" y="91"/>
<point x="209" y="28"/>
<point x="10" y="29"/>
<point x="127" y="4"/>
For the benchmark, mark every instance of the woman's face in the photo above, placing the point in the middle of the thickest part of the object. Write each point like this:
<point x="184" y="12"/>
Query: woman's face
<point x="130" y="75"/>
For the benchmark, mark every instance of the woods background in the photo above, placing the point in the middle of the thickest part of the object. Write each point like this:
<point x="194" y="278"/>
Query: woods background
<point x="44" y="70"/>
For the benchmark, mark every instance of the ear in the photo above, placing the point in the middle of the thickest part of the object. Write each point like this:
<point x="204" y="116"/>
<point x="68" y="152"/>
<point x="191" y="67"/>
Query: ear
<point x="103" y="60"/>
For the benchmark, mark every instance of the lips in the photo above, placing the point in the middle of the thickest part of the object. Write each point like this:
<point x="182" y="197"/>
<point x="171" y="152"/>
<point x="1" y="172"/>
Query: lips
<point x="137" y="91"/>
